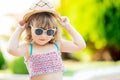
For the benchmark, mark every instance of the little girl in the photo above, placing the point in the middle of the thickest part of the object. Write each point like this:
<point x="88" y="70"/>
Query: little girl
<point x="43" y="45"/>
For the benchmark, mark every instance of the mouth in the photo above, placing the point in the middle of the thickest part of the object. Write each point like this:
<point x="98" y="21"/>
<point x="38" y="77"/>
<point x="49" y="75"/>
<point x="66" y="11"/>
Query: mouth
<point x="42" y="39"/>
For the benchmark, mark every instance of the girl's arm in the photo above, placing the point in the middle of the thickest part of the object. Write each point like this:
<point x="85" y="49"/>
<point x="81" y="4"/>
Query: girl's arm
<point x="78" y="42"/>
<point x="14" y="48"/>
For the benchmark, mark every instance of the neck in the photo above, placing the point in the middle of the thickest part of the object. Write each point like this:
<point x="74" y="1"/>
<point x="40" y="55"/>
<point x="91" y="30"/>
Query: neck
<point x="36" y="44"/>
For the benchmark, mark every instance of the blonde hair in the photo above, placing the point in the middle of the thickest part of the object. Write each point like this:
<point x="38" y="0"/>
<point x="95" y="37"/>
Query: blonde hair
<point x="45" y="20"/>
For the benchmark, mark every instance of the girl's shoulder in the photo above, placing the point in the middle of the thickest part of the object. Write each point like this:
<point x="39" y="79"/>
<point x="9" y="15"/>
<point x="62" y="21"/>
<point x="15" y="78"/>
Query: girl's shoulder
<point x="24" y="43"/>
<point x="25" y="47"/>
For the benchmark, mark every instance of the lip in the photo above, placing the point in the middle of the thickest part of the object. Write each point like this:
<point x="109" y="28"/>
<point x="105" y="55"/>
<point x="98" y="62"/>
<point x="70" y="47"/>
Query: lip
<point x="42" y="39"/>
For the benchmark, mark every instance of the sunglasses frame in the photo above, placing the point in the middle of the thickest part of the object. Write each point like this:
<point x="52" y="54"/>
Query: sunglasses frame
<point x="44" y="31"/>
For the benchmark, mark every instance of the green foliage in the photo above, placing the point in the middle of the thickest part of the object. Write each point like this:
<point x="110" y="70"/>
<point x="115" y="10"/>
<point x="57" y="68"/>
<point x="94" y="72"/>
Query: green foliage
<point x="112" y="27"/>
<point x="18" y="66"/>
<point x="96" y="20"/>
<point x="2" y="61"/>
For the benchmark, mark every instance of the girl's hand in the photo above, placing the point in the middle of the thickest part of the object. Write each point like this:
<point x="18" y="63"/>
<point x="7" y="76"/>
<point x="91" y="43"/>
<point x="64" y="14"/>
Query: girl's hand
<point x="21" y="24"/>
<point x="64" y="21"/>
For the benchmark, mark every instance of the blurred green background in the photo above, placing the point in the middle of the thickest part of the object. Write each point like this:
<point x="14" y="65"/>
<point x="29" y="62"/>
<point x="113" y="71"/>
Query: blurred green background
<point x="97" y="21"/>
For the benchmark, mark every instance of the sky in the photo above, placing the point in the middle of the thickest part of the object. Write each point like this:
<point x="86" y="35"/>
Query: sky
<point x="13" y="7"/>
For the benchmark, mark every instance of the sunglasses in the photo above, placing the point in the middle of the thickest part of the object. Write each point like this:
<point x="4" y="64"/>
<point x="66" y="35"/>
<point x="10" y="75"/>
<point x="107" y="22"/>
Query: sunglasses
<point x="40" y="31"/>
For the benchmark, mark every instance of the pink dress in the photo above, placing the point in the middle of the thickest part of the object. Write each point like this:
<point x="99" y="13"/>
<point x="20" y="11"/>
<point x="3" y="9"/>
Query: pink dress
<point x="44" y="63"/>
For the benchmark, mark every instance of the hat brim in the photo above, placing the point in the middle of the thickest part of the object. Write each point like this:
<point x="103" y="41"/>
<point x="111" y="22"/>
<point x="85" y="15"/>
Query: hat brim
<point x="27" y="15"/>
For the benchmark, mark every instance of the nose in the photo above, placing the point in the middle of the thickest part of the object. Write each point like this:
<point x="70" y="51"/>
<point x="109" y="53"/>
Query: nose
<point x="43" y="34"/>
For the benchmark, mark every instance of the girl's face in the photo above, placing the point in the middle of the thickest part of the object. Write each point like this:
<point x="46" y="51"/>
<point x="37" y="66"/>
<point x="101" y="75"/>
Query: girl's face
<point x="41" y="36"/>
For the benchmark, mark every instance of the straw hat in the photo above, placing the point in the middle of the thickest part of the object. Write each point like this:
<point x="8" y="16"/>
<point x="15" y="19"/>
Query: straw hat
<point x="40" y="6"/>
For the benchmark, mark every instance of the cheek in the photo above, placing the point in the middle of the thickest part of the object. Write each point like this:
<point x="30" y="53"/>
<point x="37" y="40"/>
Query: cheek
<point x="50" y="37"/>
<point x="34" y="37"/>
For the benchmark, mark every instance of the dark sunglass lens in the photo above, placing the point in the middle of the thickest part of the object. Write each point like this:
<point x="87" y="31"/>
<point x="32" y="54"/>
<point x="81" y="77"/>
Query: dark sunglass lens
<point x="38" y="31"/>
<point x="50" y="32"/>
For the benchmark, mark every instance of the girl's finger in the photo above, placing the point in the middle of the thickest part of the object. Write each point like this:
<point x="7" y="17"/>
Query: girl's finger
<point x="22" y="23"/>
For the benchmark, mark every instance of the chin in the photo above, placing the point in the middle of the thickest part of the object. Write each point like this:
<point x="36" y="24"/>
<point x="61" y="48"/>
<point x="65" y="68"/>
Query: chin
<point x="42" y="43"/>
